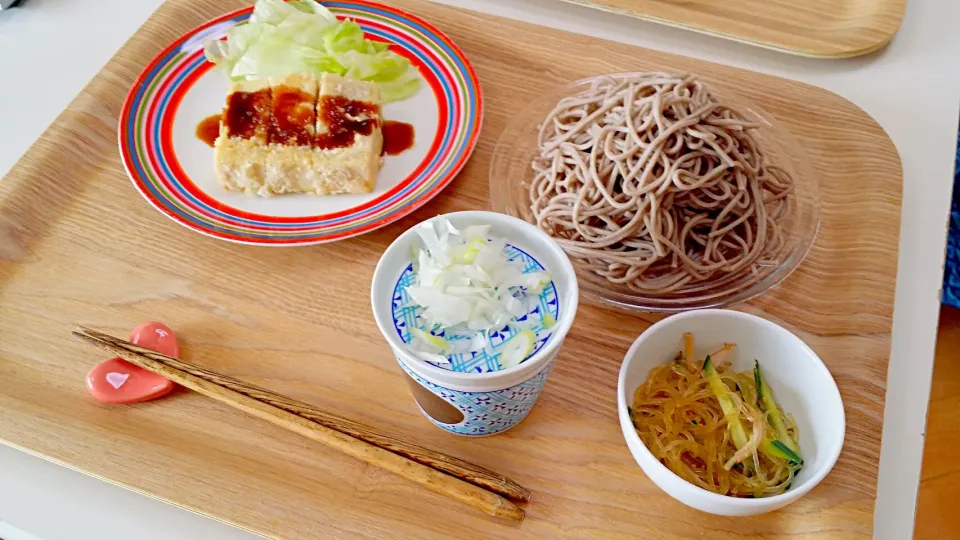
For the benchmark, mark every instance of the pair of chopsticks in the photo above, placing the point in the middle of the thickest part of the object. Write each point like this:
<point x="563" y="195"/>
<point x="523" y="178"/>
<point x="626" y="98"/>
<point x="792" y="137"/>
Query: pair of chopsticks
<point x="447" y="475"/>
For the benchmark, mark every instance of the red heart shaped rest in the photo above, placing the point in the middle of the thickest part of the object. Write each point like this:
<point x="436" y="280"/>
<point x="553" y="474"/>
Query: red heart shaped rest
<point x="119" y="381"/>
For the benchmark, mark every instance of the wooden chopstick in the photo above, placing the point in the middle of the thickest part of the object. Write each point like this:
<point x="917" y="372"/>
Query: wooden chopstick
<point x="443" y="474"/>
<point x="461" y="469"/>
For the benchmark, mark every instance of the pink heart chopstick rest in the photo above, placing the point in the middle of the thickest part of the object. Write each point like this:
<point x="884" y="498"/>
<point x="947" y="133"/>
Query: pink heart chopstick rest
<point x="118" y="381"/>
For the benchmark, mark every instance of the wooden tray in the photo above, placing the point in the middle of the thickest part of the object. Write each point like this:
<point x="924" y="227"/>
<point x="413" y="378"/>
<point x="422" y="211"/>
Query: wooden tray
<point x="79" y="245"/>
<point x="820" y="28"/>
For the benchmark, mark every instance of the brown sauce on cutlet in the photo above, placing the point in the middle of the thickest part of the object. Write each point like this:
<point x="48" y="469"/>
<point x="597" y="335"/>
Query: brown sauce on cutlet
<point x="248" y="113"/>
<point x="293" y="117"/>
<point x="345" y="119"/>
<point x="209" y="129"/>
<point x="397" y="137"/>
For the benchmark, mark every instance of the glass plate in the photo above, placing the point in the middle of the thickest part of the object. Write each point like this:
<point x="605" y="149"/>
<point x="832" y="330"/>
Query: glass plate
<point x="511" y="172"/>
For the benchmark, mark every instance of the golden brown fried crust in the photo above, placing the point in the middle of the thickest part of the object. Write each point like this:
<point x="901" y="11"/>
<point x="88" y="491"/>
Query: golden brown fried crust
<point x="299" y="135"/>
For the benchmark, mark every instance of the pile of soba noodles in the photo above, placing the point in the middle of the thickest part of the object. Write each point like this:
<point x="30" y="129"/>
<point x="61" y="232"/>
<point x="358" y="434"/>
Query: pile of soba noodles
<point x="717" y="429"/>
<point x="653" y="183"/>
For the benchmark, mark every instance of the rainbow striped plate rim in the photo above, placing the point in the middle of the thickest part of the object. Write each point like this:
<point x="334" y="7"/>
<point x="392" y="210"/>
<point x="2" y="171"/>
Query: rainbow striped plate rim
<point x="147" y="149"/>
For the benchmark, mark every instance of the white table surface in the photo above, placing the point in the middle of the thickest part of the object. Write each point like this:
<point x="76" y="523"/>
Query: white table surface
<point x="49" y="49"/>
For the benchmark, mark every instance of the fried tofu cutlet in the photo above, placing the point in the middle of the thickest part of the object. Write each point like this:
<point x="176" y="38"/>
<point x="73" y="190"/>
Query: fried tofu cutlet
<point x="296" y="134"/>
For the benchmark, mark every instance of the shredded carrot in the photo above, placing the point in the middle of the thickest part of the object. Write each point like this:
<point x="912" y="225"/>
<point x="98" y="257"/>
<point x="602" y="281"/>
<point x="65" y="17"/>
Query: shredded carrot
<point x="719" y="357"/>
<point x="688" y="348"/>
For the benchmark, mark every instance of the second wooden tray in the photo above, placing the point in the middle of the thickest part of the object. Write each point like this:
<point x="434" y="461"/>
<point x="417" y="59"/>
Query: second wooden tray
<point x="78" y="245"/>
<point x="820" y="28"/>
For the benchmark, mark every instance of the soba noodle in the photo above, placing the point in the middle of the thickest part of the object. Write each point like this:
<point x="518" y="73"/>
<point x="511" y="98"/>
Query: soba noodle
<point x="655" y="184"/>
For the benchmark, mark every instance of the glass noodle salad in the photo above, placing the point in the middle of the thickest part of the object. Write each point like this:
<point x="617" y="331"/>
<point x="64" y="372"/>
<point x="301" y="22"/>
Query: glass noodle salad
<point x="716" y="428"/>
<point x="301" y="36"/>
<point x="467" y="289"/>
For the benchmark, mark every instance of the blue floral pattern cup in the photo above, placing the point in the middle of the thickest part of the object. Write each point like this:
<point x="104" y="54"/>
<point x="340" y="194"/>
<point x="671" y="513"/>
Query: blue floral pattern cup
<point x="483" y="413"/>
<point x="472" y="398"/>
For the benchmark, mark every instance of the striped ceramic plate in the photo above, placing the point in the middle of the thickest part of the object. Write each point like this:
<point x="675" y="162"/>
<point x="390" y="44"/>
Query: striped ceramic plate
<point x="173" y="169"/>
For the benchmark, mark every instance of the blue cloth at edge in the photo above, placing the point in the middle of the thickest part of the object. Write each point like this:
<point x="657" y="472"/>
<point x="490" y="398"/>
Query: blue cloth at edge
<point x="951" y="270"/>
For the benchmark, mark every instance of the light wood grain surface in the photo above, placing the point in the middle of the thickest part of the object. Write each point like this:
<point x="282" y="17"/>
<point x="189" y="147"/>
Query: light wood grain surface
<point x="937" y="517"/>
<point x="820" y="28"/>
<point x="79" y="246"/>
<point x="428" y="470"/>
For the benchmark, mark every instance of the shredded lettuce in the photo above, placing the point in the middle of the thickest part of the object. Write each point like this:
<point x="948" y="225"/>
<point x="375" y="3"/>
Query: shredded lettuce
<point x="301" y="36"/>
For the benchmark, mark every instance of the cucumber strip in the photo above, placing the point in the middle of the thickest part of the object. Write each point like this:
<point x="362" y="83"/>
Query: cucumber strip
<point x="730" y="410"/>
<point x="769" y="406"/>
<point x="774" y="449"/>
<point x="779" y="450"/>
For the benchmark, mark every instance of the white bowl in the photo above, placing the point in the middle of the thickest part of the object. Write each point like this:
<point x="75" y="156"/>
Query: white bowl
<point x="800" y="381"/>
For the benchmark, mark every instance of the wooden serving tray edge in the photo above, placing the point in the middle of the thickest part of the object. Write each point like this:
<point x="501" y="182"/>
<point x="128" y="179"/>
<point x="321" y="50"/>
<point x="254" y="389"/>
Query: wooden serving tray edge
<point x="806" y="44"/>
<point x="51" y="416"/>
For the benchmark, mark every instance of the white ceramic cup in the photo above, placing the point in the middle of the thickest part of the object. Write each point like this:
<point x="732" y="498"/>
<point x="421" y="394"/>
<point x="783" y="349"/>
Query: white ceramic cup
<point x="477" y="404"/>
<point x="800" y="382"/>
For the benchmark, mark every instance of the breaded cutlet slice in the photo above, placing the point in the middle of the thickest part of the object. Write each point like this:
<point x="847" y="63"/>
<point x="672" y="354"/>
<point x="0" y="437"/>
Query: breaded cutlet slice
<point x="349" y="140"/>
<point x="240" y="150"/>
<point x="293" y="135"/>
<point x="289" y="155"/>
